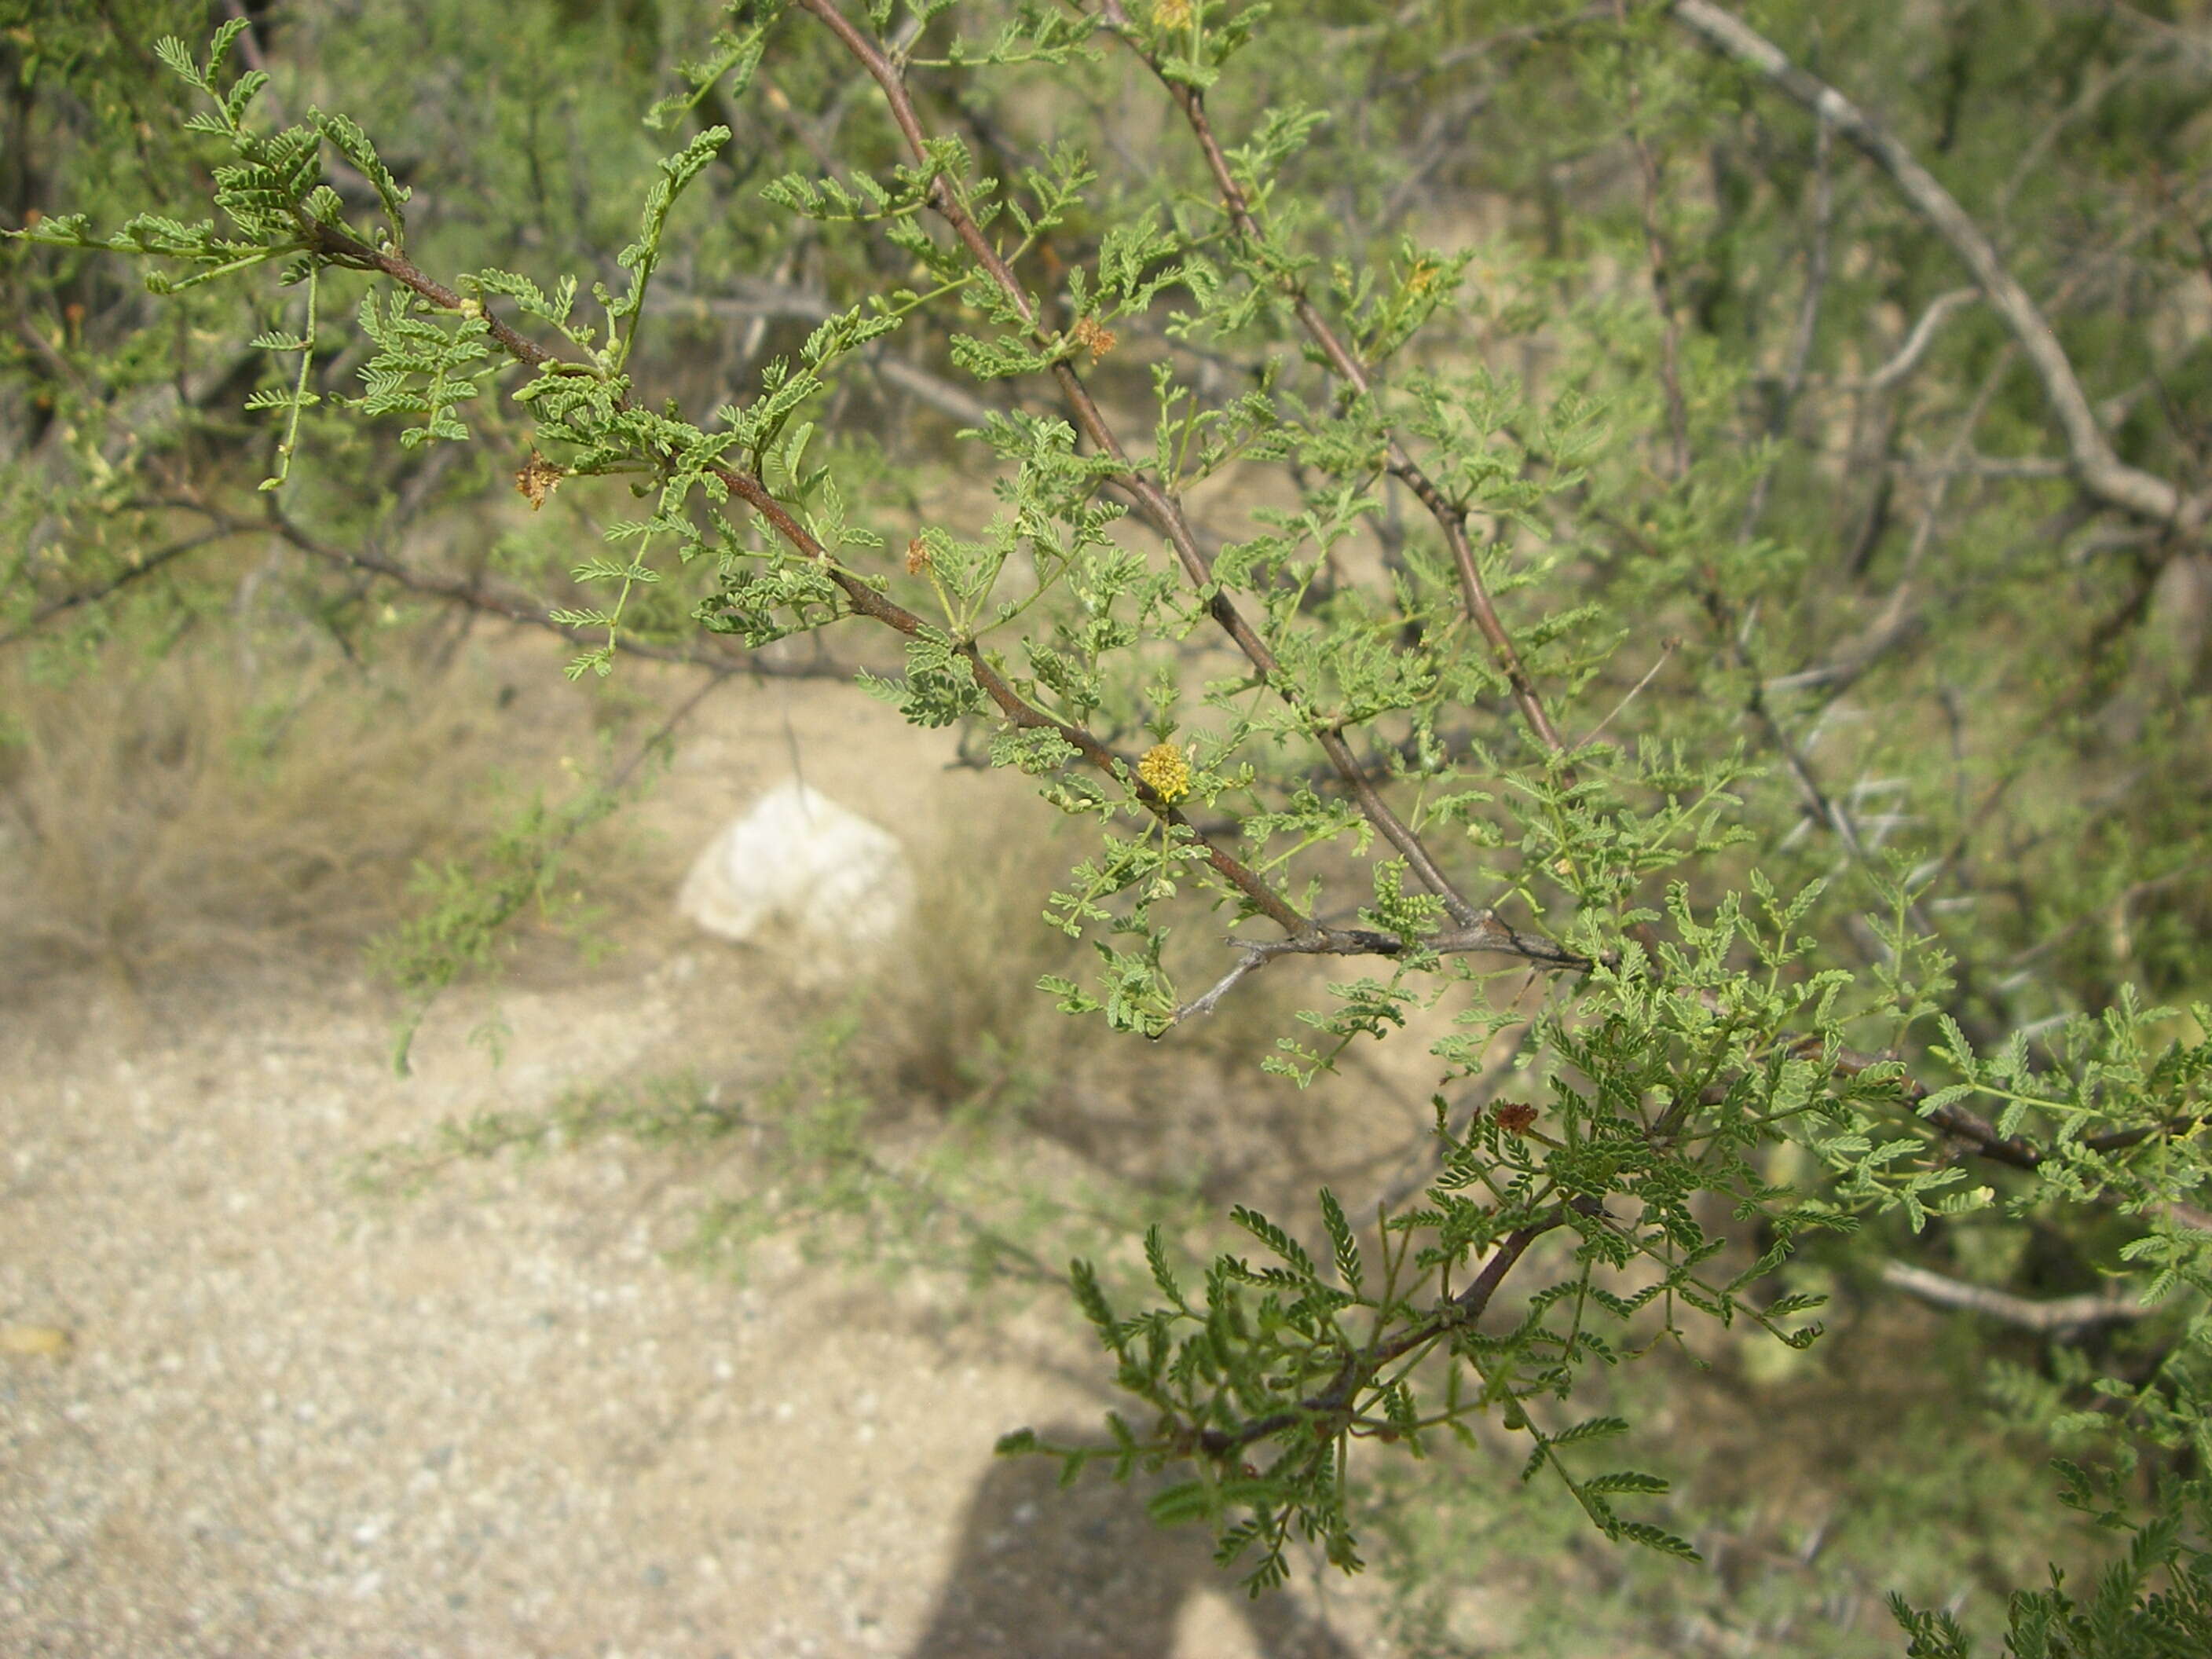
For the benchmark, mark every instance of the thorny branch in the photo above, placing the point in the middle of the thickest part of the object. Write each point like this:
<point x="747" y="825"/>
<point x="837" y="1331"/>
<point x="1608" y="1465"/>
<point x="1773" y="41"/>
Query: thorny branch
<point x="1166" y="513"/>
<point x="342" y="247"/>
<point x="1450" y="518"/>
<point x="1473" y="930"/>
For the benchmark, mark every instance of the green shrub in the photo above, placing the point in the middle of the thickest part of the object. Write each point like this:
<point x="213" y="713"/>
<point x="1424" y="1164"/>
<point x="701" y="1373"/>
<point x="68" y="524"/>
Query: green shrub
<point x="1501" y="501"/>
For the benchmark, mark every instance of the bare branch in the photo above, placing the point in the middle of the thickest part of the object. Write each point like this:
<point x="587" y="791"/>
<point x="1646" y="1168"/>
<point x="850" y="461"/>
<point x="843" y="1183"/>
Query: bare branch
<point x="1667" y="648"/>
<point x="1808" y="327"/>
<point x="1987" y="466"/>
<point x="2054" y="1314"/>
<point x="2197" y="48"/>
<point x="1659" y="263"/>
<point x="1898" y="620"/>
<point x="758" y="301"/>
<point x="1490" y="937"/>
<point x="2101" y="470"/>
<point x="473" y="595"/>
<point x="1922" y="335"/>
<point x="144" y="567"/>
<point x="2096" y="85"/>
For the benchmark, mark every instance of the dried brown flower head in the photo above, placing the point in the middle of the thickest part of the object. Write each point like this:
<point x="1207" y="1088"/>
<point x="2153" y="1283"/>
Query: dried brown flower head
<point x="1165" y="768"/>
<point x="917" y="556"/>
<point x="1514" y="1116"/>
<point x="1093" y="338"/>
<point x="537" y="479"/>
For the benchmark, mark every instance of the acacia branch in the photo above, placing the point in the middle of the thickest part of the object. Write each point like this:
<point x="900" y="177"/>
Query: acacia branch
<point x="863" y="599"/>
<point x="1331" y="1404"/>
<point x="1019" y="713"/>
<point x="866" y="600"/>
<point x="1977" y="1135"/>
<point x="1450" y="518"/>
<point x="2095" y="465"/>
<point x="1165" y="512"/>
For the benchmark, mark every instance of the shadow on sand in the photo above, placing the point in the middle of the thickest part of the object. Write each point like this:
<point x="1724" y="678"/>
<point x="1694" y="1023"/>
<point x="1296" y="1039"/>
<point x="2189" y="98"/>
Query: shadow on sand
<point x="1043" y="1573"/>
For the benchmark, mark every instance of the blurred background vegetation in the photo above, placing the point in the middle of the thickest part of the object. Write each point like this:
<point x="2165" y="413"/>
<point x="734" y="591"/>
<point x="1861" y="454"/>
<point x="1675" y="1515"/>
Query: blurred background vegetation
<point x="288" y="727"/>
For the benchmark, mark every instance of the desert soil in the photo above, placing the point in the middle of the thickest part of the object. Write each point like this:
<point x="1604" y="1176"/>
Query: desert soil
<point x="248" y="1411"/>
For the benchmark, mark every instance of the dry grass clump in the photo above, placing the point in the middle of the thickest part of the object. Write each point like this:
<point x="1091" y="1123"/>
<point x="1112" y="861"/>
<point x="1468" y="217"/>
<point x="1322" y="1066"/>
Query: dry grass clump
<point x="166" y="814"/>
<point x="956" y="1008"/>
<point x="954" y="1021"/>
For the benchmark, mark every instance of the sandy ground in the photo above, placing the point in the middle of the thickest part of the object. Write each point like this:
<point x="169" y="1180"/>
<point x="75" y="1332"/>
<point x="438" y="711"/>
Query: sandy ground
<point x="291" y="1419"/>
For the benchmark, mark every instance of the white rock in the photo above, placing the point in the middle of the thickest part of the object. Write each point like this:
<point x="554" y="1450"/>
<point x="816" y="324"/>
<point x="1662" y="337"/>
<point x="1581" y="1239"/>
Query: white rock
<point x="800" y="866"/>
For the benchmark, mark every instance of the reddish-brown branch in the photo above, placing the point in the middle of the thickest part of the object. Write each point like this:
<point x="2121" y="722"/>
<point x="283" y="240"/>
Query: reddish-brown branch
<point x="1160" y="508"/>
<point x="1450" y="519"/>
<point x="866" y="601"/>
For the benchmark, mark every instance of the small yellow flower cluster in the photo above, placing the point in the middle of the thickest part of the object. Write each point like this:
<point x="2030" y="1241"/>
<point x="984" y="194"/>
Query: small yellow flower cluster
<point x="1171" y="14"/>
<point x="1093" y="338"/>
<point x="1165" y="768"/>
